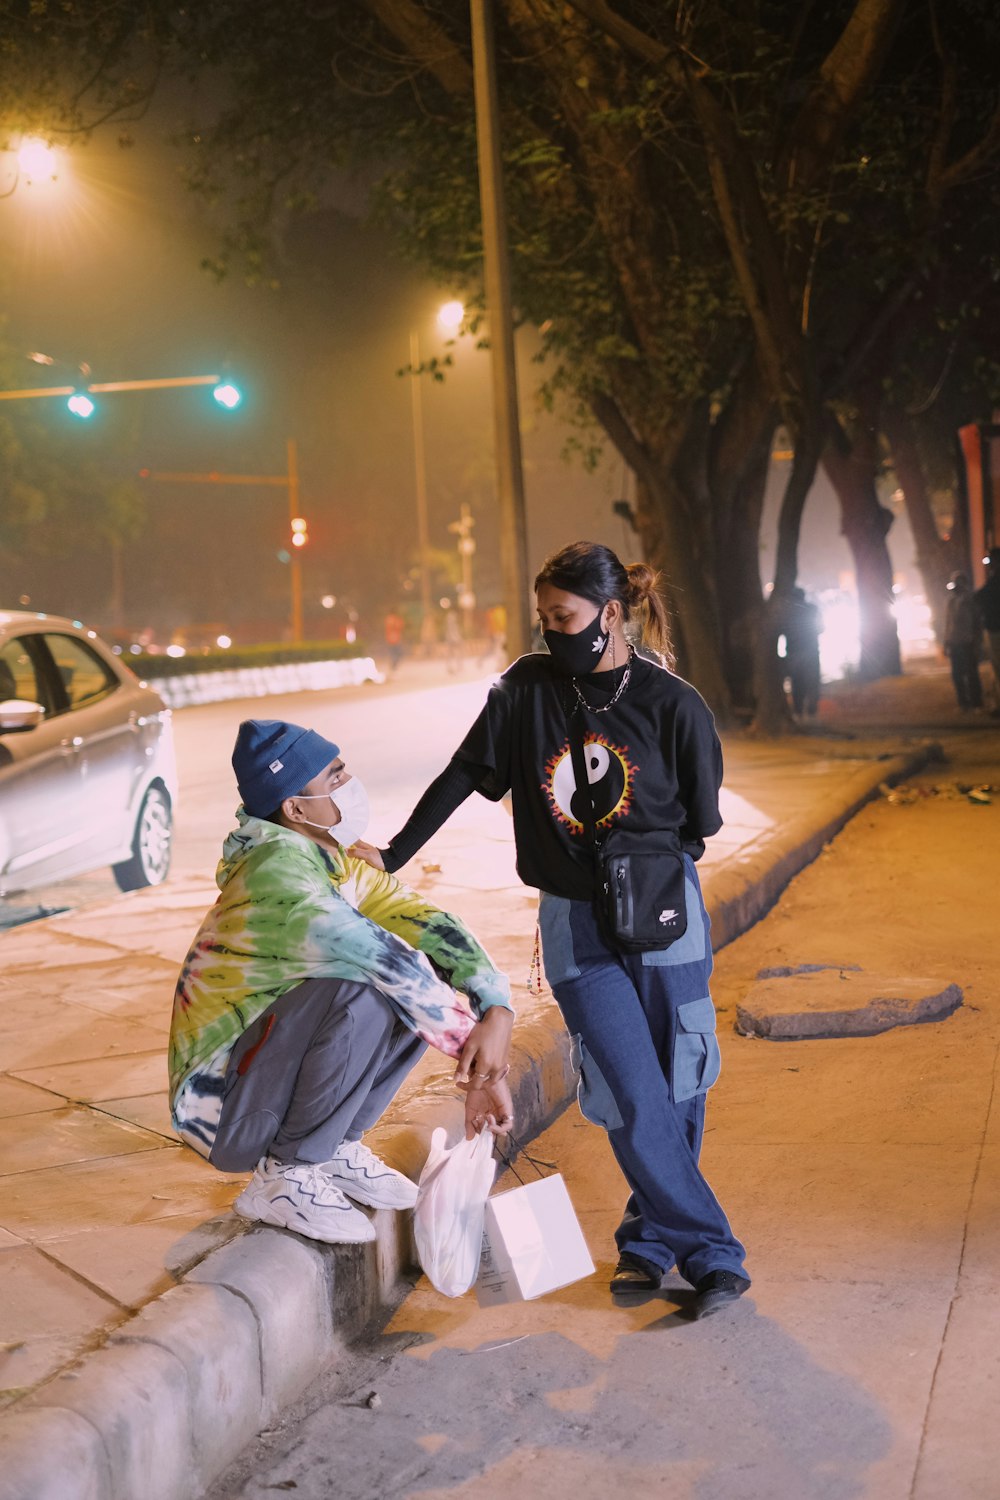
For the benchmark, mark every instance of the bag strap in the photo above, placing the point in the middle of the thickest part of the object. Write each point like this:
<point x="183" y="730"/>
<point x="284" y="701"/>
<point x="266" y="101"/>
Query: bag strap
<point x="519" y="1150"/>
<point x="580" y="776"/>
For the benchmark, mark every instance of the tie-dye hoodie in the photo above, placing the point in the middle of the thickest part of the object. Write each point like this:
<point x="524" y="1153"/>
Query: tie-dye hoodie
<point x="288" y="911"/>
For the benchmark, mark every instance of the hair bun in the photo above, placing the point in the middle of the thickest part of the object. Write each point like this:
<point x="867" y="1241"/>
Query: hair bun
<point x="642" y="581"/>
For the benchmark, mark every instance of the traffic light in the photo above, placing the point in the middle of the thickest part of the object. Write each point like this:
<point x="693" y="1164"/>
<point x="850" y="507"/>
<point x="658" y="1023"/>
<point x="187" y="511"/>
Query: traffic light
<point x="300" y="531"/>
<point x="81" y="405"/>
<point x="227" y="395"/>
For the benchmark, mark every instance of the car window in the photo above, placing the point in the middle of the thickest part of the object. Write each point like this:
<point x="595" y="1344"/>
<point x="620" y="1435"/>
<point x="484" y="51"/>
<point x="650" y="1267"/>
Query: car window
<point x="84" y="676"/>
<point x="18" y="675"/>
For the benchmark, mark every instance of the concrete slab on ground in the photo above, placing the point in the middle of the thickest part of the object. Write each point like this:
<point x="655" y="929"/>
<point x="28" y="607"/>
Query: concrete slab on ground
<point x="828" y="1002"/>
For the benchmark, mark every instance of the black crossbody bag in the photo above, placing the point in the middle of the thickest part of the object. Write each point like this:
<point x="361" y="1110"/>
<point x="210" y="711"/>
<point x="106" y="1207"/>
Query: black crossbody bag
<point x="640" y="901"/>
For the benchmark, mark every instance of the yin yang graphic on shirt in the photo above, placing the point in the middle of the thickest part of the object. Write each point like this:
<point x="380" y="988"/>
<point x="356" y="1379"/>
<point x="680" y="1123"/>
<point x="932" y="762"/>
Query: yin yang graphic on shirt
<point x="611" y="775"/>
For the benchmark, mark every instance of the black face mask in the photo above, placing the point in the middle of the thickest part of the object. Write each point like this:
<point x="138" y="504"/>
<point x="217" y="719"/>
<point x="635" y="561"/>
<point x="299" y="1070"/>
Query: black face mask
<point x="575" y="655"/>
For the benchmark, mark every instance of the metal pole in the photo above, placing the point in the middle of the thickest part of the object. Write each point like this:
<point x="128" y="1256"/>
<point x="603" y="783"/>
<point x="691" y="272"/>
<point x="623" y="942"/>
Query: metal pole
<point x="510" y="477"/>
<point x="295" y="565"/>
<point x="288" y="481"/>
<point x="466" y="547"/>
<point x="420" y="478"/>
<point x="171" y="383"/>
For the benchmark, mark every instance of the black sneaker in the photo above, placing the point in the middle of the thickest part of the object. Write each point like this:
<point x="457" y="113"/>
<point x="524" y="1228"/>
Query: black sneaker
<point x="715" y="1290"/>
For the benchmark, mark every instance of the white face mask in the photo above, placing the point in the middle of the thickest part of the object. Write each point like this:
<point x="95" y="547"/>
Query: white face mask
<point x="351" y="801"/>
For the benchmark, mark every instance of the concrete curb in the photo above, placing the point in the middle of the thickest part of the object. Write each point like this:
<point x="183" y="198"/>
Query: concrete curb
<point x="737" y="898"/>
<point x="177" y="1392"/>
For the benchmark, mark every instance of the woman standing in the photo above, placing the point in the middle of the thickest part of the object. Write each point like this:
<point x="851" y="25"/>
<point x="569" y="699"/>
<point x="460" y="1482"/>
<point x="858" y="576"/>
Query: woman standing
<point x="643" y="1022"/>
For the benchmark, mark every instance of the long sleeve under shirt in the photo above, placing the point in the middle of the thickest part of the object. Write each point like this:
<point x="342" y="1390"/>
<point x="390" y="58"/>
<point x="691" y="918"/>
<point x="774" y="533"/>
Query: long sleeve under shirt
<point x="654" y="762"/>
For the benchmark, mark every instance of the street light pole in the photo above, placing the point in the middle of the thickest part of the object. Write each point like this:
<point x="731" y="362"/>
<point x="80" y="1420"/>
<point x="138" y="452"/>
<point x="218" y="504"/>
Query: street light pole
<point x="464" y="527"/>
<point x="510" y="476"/>
<point x="296" y="562"/>
<point x="420" y="479"/>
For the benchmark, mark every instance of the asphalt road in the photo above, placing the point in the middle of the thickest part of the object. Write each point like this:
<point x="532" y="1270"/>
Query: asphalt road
<point x="396" y="735"/>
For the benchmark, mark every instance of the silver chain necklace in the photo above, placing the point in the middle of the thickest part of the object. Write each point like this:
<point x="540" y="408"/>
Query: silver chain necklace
<point x="590" y="707"/>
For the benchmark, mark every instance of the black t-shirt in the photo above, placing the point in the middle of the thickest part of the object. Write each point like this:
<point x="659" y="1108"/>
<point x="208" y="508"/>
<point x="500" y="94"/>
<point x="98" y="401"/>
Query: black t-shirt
<point x="654" y="762"/>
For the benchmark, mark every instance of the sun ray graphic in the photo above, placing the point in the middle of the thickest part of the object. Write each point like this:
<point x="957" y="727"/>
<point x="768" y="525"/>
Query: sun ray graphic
<point x="612" y="779"/>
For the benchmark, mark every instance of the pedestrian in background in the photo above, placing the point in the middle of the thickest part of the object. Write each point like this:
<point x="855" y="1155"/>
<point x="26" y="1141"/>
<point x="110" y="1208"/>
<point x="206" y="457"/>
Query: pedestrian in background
<point x="803" y="627"/>
<point x="393" y="629"/>
<point x="452" y="641"/>
<point x="988" y="605"/>
<point x="643" y="1023"/>
<point x="962" y="638"/>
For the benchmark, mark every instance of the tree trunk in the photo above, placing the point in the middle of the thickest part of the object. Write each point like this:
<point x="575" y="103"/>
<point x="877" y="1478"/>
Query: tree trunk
<point x="741" y="601"/>
<point x="677" y="541"/>
<point x="691" y="594"/>
<point x="865" y="524"/>
<point x="772" y="714"/>
<point x="935" y="557"/>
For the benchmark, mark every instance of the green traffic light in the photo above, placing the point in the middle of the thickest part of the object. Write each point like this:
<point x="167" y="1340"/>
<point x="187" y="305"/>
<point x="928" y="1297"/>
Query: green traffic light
<point x="81" y="405"/>
<point x="227" y="395"/>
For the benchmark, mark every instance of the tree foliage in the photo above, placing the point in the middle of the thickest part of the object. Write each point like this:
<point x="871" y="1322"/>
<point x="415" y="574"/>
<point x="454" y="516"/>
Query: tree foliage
<point x="65" y="489"/>
<point x="723" y="219"/>
<point x="69" y="66"/>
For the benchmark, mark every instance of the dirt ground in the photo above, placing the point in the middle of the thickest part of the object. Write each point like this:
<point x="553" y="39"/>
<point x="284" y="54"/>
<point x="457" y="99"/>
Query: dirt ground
<point x="861" y="1173"/>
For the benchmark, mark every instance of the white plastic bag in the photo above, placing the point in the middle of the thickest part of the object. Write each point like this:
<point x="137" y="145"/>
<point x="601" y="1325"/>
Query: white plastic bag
<point x="448" y="1217"/>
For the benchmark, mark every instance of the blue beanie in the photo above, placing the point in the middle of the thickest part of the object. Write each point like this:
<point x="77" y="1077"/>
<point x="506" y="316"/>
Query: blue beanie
<point x="274" y="760"/>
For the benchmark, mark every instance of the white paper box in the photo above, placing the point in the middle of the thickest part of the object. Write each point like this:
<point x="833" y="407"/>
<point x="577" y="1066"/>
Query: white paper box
<point x="532" y="1244"/>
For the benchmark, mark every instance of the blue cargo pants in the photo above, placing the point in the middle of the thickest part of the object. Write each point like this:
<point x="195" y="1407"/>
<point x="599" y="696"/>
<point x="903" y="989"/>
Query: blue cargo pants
<point x="643" y="1028"/>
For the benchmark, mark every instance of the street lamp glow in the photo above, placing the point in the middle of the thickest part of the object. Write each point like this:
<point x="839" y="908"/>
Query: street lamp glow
<point x="227" y="395"/>
<point x="450" y="316"/>
<point x="80" y="405"/>
<point x="37" y="161"/>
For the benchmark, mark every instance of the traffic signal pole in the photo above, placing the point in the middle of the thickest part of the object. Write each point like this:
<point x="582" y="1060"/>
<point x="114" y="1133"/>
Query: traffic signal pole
<point x="288" y="481"/>
<point x="171" y="382"/>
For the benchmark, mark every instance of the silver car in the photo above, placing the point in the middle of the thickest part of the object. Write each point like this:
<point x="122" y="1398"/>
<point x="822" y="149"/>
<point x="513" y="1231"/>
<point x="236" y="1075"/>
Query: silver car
<point x="87" y="770"/>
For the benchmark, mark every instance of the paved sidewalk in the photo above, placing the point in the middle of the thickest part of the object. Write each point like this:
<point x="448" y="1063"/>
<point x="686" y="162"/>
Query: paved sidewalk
<point x="179" y="1332"/>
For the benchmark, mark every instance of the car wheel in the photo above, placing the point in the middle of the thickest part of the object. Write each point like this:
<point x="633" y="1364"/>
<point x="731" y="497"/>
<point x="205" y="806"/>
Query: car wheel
<point x="150" y="860"/>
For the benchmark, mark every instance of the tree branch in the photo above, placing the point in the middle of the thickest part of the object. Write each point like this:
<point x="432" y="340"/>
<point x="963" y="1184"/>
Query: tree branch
<point x="426" y="43"/>
<point x="946" y="114"/>
<point x="635" y="453"/>
<point x="846" y="73"/>
<point x="975" y="158"/>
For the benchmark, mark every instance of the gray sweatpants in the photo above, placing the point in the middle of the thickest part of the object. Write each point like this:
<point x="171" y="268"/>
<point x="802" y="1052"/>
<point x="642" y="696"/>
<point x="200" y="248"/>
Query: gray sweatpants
<point x="318" y="1067"/>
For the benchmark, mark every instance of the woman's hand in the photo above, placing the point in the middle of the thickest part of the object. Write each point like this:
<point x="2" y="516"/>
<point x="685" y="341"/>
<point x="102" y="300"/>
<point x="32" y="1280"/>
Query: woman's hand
<point x="488" y="1104"/>
<point x="368" y="853"/>
<point x="486" y="1053"/>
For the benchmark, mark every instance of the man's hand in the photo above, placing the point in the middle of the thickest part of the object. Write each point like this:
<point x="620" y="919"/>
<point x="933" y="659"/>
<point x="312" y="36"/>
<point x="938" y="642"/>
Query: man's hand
<point x="368" y="853"/>
<point x="486" y="1052"/>
<point x="488" y="1104"/>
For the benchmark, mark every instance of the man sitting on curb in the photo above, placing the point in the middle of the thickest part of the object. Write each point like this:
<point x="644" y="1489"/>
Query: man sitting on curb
<point x="311" y="989"/>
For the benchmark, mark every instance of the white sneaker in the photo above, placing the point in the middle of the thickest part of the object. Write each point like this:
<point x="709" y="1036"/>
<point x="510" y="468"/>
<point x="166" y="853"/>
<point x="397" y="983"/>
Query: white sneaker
<point x="362" y="1176"/>
<point x="302" y="1197"/>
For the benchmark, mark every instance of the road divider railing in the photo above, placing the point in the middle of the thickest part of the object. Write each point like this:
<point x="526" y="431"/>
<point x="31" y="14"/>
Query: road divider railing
<point x="183" y="689"/>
